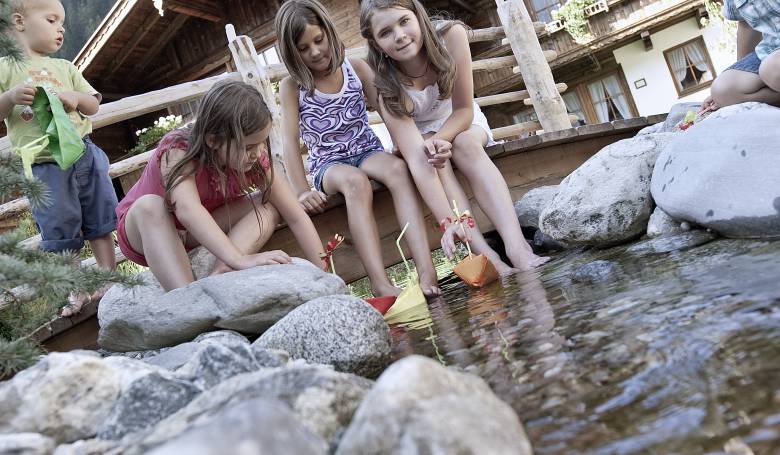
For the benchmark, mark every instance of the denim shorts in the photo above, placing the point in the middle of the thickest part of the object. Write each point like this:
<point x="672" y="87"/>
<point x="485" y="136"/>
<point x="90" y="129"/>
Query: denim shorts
<point x="749" y="63"/>
<point x="355" y="160"/>
<point x="82" y="201"/>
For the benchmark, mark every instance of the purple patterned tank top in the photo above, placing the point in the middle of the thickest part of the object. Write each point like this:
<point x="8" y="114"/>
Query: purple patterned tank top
<point x="335" y="126"/>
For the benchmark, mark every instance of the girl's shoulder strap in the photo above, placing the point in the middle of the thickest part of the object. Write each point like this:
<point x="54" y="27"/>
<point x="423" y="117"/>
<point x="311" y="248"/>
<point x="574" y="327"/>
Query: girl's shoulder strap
<point x="350" y="71"/>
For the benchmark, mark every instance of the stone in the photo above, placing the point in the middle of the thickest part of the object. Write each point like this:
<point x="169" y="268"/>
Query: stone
<point x="26" y="444"/>
<point x="258" y="426"/>
<point x="661" y="223"/>
<point x="607" y="199"/>
<point x="723" y="173"/>
<point x="595" y="272"/>
<point x="270" y="358"/>
<point x="667" y="244"/>
<point x="652" y="129"/>
<point x="543" y="243"/>
<point x="64" y="396"/>
<point x="419" y="406"/>
<point x="248" y="301"/>
<point x="89" y="447"/>
<point x="338" y="330"/>
<point x="145" y="401"/>
<point x="322" y="399"/>
<point x="530" y="206"/>
<point x="174" y="357"/>
<point x="677" y="114"/>
<point x="212" y="363"/>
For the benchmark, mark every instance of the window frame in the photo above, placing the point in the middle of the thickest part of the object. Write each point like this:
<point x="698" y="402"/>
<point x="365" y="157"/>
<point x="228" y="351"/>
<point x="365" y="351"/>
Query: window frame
<point x="588" y="107"/>
<point x="681" y="92"/>
<point x="533" y="13"/>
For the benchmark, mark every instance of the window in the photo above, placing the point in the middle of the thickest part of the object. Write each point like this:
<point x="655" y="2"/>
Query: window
<point x="544" y="8"/>
<point x="574" y="106"/>
<point x="690" y="66"/>
<point x="269" y="56"/>
<point x="609" y="99"/>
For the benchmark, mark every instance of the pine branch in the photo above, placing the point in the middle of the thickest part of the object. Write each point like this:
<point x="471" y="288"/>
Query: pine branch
<point x="17" y="355"/>
<point x="8" y="46"/>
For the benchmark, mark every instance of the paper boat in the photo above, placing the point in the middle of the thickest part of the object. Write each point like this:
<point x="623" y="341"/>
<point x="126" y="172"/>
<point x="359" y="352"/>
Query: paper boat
<point x="412" y="294"/>
<point x="476" y="271"/>
<point x="382" y="304"/>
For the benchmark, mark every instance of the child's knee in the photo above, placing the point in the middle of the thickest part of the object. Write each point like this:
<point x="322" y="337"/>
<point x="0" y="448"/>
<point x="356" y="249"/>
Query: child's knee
<point x="723" y="90"/>
<point x="770" y="71"/>
<point x="397" y="173"/>
<point x="150" y="206"/>
<point x="356" y="184"/>
<point x="466" y="147"/>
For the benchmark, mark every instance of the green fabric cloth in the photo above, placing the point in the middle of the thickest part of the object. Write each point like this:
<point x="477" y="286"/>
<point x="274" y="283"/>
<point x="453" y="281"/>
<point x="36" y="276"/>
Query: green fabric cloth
<point x="65" y="143"/>
<point x="56" y="75"/>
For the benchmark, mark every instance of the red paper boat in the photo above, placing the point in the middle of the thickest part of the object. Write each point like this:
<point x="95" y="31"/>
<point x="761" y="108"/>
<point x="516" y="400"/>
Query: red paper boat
<point x="382" y="304"/>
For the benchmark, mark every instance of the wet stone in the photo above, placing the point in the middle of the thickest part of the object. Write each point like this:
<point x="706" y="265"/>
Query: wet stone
<point x="595" y="272"/>
<point x="681" y="242"/>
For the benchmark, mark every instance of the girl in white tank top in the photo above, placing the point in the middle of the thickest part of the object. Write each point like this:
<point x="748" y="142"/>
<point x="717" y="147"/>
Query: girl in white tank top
<point x="426" y="97"/>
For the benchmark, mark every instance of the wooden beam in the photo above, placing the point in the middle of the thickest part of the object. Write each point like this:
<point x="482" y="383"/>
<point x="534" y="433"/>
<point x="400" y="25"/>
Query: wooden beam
<point x="535" y="70"/>
<point x="149" y="21"/>
<point x="177" y="23"/>
<point x="195" y="8"/>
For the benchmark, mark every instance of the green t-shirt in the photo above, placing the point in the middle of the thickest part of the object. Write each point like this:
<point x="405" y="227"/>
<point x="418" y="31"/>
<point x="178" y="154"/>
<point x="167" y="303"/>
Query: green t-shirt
<point x="53" y="73"/>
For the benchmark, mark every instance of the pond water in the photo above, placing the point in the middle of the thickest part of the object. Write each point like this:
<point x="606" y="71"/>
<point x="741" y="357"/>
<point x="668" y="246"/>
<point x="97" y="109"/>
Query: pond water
<point x="663" y="346"/>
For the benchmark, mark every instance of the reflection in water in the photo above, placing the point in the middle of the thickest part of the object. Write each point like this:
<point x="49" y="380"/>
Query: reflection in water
<point x="674" y="352"/>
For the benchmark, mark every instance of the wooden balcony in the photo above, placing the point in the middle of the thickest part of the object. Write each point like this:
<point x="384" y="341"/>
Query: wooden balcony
<point x="613" y="24"/>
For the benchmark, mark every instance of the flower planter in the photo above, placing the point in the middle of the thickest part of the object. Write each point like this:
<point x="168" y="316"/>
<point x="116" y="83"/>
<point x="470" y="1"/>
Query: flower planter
<point x="553" y="26"/>
<point x="598" y="7"/>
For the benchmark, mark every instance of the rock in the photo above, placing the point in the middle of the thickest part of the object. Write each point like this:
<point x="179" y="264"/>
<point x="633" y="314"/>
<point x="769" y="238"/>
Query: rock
<point x="652" y="129"/>
<point x="723" y="173"/>
<point x="530" y="206"/>
<point x="677" y="114"/>
<point x="322" y="399"/>
<point x="270" y="358"/>
<point x="338" y="330"/>
<point x="88" y="447"/>
<point x="202" y="262"/>
<point x="667" y="244"/>
<point x="212" y="363"/>
<point x="662" y="224"/>
<point x="259" y="426"/>
<point x="174" y="357"/>
<point x="607" y="199"/>
<point x="543" y="243"/>
<point x="249" y="301"/>
<point x="419" y="406"/>
<point x="595" y="272"/>
<point x="147" y="397"/>
<point x="64" y="396"/>
<point x="26" y="444"/>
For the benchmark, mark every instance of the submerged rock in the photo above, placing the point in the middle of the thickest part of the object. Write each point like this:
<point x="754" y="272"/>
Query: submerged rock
<point x="667" y="244"/>
<point x="723" y="173"/>
<point x="595" y="272"/>
<point x="607" y="199"/>
<point x="342" y="331"/>
<point x="530" y="206"/>
<point x="419" y="406"/>
<point x="26" y="444"/>
<point x="249" y="301"/>
<point x="258" y="426"/>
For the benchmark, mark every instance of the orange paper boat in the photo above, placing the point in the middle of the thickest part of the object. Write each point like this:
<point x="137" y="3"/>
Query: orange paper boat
<point x="476" y="271"/>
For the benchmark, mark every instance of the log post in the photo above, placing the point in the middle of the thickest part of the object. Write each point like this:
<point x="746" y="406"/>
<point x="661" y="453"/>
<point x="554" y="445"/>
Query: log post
<point x="254" y="73"/>
<point x="548" y="104"/>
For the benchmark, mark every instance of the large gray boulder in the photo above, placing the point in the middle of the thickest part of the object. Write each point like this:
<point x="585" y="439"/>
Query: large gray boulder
<point x="64" y="396"/>
<point x="338" y="330"/>
<point x="530" y="206"/>
<point x="724" y="173"/>
<point x="607" y="199"/>
<point x="256" y="427"/>
<point x="419" y="406"/>
<point x="248" y="301"/>
<point x="322" y="399"/>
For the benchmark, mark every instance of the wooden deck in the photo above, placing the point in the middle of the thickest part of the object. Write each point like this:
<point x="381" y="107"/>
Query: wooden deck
<point x="525" y="164"/>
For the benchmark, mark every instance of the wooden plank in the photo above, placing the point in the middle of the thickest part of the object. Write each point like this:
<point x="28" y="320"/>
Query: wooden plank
<point x="177" y="23"/>
<point x="630" y="123"/>
<point x="202" y="10"/>
<point x="656" y="118"/>
<point x="149" y="21"/>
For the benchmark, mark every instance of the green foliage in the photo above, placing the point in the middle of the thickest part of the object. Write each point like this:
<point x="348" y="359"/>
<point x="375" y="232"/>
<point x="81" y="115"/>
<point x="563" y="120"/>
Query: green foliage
<point x="148" y="137"/>
<point x="572" y="14"/>
<point x="16" y="355"/>
<point x="727" y="39"/>
<point x="7" y="44"/>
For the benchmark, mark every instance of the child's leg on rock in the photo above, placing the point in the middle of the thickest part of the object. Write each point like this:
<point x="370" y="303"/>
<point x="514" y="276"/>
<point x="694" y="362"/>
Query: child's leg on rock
<point x="151" y="230"/>
<point x="478" y="243"/>
<point x="248" y="223"/>
<point x="356" y="188"/>
<point x="492" y="194"/>
<point x="735" y="86"/>
<point x="769" y="71"/>
<point x="392" y="172"/>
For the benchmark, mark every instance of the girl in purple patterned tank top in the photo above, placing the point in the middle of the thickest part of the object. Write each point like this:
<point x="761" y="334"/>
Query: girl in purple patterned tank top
<point x="323" y="104"/>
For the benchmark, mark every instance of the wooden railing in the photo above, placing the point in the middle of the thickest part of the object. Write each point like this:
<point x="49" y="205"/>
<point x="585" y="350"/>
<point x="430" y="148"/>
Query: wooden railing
<point x="523" y="38"/>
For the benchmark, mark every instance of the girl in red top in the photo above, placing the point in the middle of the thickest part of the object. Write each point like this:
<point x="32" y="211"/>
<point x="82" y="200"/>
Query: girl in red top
<point x="197" y="190"/>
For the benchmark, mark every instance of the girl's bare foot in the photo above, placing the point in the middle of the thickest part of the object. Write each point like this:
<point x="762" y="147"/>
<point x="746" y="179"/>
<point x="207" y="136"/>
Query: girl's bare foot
<point x="76" y="301"/>
<point x="429" y="284"/>
<point x="98" y="295"/>
<point x="525" y="259"/>
<point x="502" y="268"/>
<point x="385" y="290"/>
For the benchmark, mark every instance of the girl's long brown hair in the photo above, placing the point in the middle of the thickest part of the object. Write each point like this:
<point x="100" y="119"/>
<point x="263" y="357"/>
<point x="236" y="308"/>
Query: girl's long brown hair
<point x="291" y="21"/>
<point x="229" y="111"/>
<point x="388" y="78"/>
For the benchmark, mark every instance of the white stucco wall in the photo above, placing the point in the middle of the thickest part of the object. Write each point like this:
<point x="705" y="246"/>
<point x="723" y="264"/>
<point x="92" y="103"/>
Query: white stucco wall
<point x="659" y="94"/>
